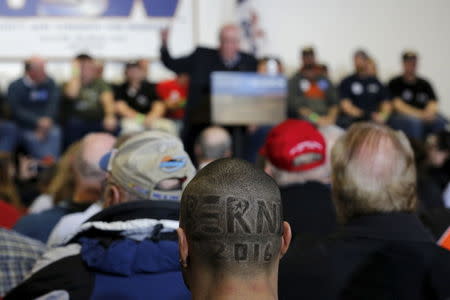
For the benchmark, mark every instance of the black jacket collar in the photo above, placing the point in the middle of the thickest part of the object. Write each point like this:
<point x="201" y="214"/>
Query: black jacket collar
<point x="389" y="227"/>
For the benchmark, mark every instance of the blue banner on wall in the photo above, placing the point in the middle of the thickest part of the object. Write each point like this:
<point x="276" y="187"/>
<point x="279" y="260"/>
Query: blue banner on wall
<point x="84" y="8"/>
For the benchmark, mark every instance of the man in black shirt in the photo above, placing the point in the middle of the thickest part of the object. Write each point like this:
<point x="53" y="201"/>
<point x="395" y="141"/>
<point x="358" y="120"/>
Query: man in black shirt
<point x="199" y="65"/>
<point x="415" y="103"/>
<point x="136" y="99"/>
<point x="295" y="154"/>
<point x="363" y="97"/>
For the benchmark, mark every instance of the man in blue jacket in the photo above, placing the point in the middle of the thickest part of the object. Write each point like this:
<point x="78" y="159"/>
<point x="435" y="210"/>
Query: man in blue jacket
<point x="129" y="250"/>
<point x="34" y="106"/>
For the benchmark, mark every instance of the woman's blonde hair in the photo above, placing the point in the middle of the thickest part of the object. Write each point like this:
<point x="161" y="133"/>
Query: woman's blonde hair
<point x="63" y="184"/>
<point x="373" y="171"/>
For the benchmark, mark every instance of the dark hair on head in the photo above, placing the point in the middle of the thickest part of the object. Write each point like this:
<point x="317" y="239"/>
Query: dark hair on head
<point x="409" y="55"/>
<point x="231" y="213"/>
<point x="83" y="56"/>
<point x="27" y="66"/>
<point x="308" y="51"/>
<point x="132" y="64"/>
<point x="362" y="53"/>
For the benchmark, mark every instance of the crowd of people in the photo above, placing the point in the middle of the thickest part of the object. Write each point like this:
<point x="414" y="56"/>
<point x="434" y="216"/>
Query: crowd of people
<point x="128" y="191"/>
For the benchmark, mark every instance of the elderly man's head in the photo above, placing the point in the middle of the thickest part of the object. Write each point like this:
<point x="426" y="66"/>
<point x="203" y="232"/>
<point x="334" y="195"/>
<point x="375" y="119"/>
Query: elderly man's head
<point x="213" y="143"/>
<point x="88" y="177"/>
<point x="373" y="171"/>
<point x="35" y="69"/>
<point x="93" y="147"/>
<point x="229" y="39"/>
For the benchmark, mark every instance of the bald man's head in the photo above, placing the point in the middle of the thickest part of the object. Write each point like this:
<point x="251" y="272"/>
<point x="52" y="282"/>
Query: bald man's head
<point x="229" y="38"/>
<point x="373" y="171"/>
<point x="93" y="147"/>
<point x="35" y="69"/>
<point x="232" y="216"/>
<point x="213" y="143"/>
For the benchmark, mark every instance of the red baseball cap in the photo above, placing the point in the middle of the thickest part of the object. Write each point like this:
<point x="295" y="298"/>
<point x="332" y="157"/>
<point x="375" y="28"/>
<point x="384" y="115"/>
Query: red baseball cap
<point x="295" y="145"/>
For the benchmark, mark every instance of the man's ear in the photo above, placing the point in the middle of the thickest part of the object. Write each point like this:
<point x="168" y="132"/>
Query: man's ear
<point x="183" y="247"/>
<point x="111" y="196"/>
<point x="268" y="168"/>
<point x="285" y="239"/>
<point x="228" y="154"/>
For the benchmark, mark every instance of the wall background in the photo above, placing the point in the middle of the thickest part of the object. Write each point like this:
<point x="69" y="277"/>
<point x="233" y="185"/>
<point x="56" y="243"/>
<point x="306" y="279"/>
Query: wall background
<point x="337" y="27"/>
<point x="334" y="27"/>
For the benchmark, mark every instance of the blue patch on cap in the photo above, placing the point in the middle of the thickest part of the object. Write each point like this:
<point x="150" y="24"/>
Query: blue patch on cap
<point x="104" y="161"/>
<point x="172" y="164"/>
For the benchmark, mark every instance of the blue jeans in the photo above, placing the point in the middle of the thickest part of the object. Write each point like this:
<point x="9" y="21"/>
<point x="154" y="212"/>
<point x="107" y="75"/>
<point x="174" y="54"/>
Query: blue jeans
<point x="49" y="146"/>
<point x="416" y="128"/>
<point x="9" y="136"/>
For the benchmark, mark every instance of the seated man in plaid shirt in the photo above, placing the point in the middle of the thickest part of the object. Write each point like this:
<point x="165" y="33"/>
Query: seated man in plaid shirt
<point x="17" y="256"/>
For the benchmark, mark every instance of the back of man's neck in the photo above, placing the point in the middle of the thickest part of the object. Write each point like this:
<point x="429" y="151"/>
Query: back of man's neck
<point x="85" y="195"/>
<point x="235" y="289"/>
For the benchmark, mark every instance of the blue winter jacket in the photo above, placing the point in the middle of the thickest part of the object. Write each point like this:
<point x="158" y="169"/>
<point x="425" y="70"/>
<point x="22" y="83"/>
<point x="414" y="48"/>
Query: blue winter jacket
<point x="125" y="252"/>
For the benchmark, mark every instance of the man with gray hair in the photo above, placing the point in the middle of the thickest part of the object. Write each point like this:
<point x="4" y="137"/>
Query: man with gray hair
<point x="213" y="143"/>
<point x="382" y="251"/>
<point x="128" y="250"/>
<point x="296" y="157"/>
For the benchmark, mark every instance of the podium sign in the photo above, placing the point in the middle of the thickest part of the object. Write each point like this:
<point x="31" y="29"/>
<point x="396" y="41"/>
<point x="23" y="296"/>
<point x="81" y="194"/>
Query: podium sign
<point x="239" y="98"/>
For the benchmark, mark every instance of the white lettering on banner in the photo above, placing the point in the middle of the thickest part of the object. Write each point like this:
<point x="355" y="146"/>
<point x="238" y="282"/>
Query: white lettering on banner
<point x="300" y="147"/>
<point x="67" y="27"/>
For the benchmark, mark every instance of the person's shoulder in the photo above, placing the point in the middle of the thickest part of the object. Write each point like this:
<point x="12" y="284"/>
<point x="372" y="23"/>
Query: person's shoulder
<point x="205" y="51"/>
<point x="395" y="80"/>
<point x="295" y="77"/>
<point x="149" y="85"/>
<point x="20" y="242"/>
<point x="423" y="81"/>
<point x="18" y="82"/>
<point x="349" y="78"/>
<point x="247" y="56"/>
<point x="51" y="82"/>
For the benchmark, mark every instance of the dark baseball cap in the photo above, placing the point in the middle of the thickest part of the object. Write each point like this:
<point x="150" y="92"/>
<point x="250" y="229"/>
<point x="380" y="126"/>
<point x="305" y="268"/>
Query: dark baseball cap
<point x="362" y="53"/>
<point x="308" y="51"/>
<point x="409" y="55"/>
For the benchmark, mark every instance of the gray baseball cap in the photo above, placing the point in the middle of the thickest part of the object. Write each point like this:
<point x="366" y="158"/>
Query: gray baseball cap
<point x="147" y="159"/>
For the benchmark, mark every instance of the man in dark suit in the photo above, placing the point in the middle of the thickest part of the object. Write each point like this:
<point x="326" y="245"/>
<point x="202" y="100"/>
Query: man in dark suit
<point x="382" y="251"/>
<point x="199" y="65"/>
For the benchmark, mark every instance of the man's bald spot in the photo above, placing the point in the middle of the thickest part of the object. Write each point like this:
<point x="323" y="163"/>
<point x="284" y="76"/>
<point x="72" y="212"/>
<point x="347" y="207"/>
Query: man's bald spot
<point x="380" y="154"/>
<point x="95" y="145"/>
<point x="231" y="213"/>
<point x="215" y="143"/>
<point x="215" y="135"/>
<point x="229" y="30"/>
<point x="35" y="62"/>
